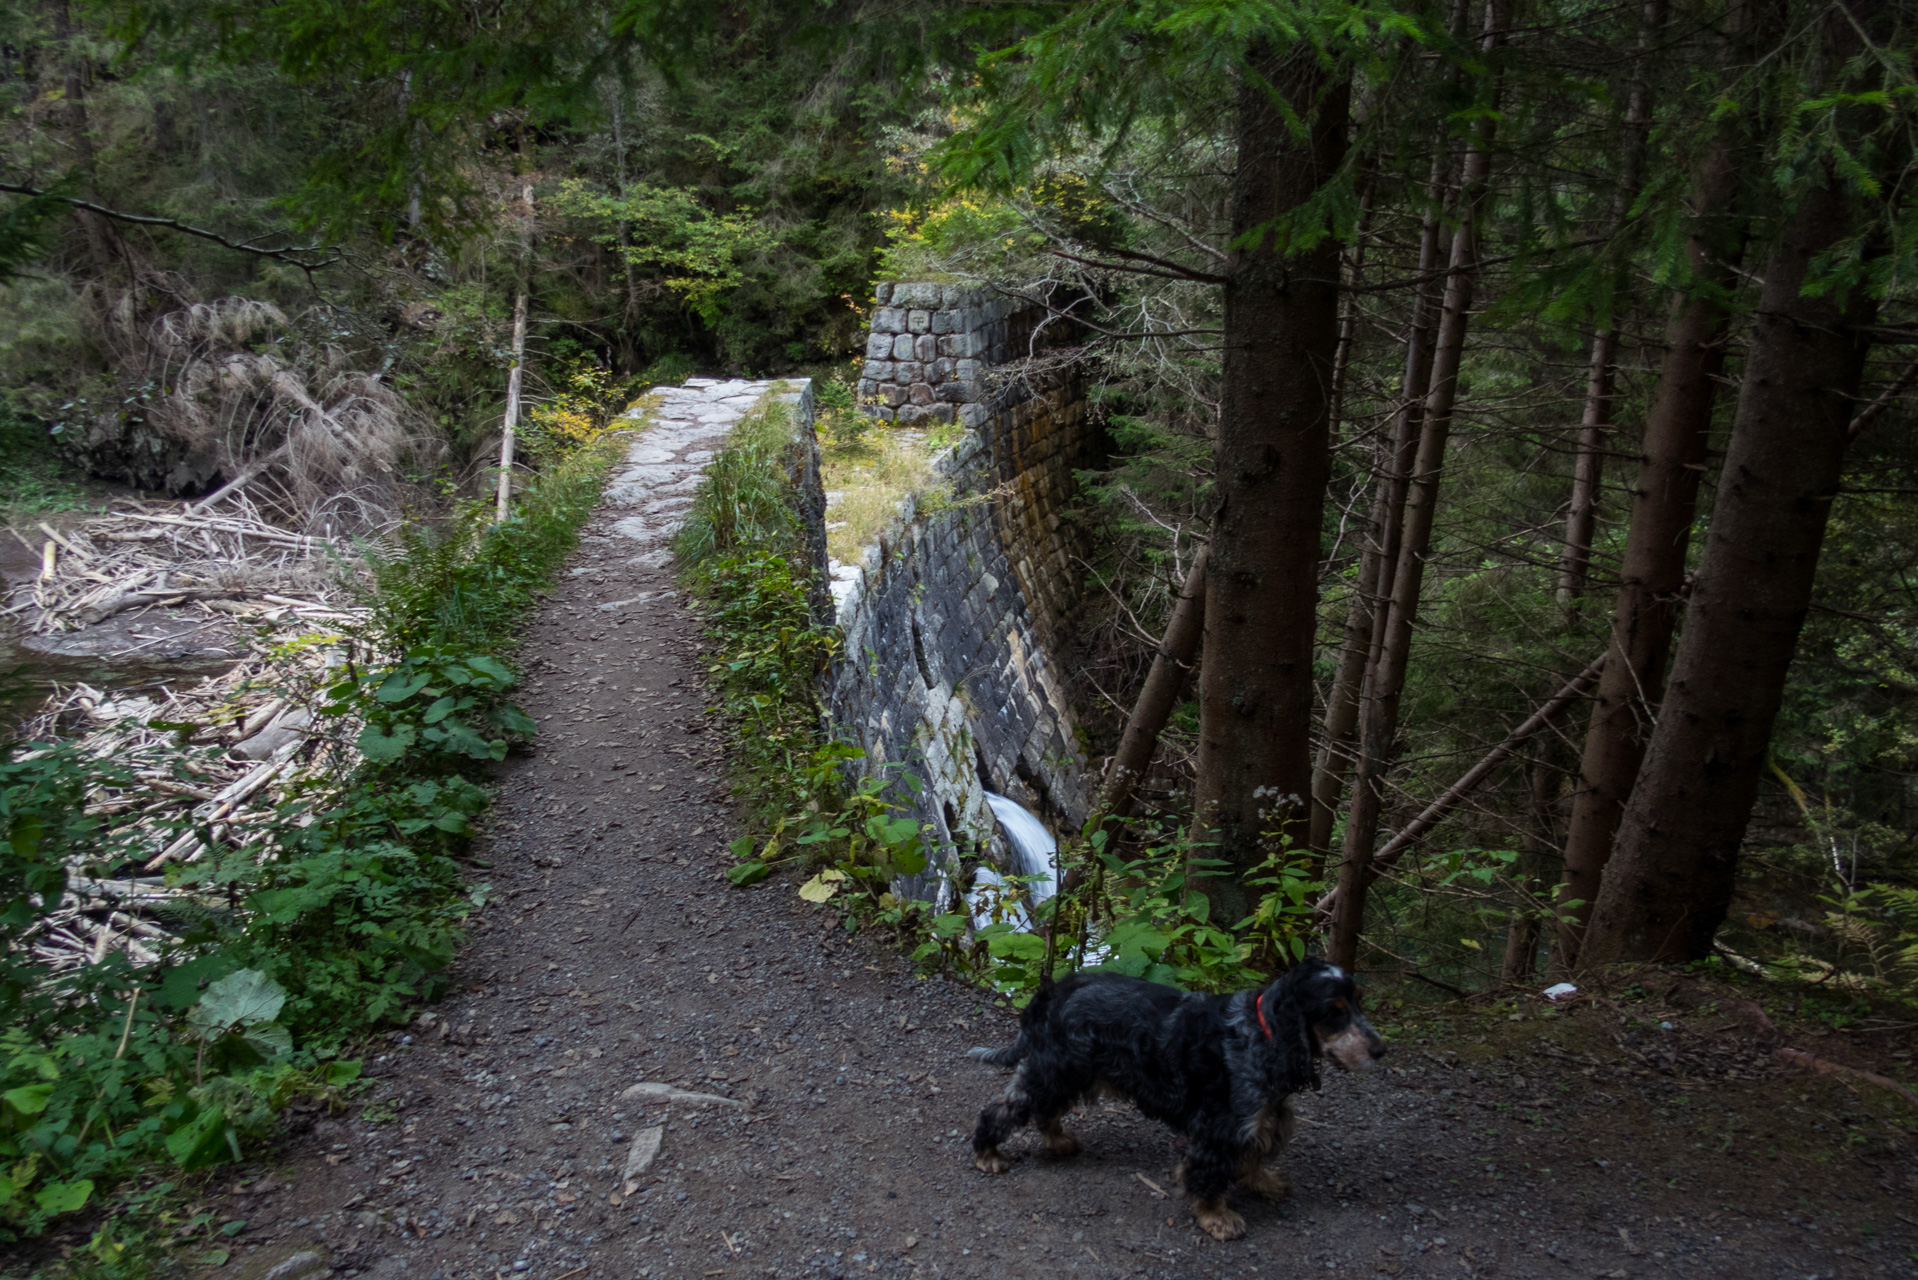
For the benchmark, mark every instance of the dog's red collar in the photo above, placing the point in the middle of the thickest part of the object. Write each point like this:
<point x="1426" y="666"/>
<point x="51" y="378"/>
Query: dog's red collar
<point x="1258" y="1007"/>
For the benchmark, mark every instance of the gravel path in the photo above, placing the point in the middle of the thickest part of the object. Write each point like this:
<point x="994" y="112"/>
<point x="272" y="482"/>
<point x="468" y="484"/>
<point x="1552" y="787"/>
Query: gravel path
<point x="494" y="1140"/>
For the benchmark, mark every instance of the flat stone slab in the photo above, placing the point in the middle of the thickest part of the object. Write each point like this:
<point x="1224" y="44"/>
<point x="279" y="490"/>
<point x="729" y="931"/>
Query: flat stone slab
<point x="652" y="491"/>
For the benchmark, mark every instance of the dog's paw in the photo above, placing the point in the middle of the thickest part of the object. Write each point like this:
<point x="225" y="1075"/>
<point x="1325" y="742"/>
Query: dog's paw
<point x="990" y="1161"/>
<point x="1264" y="1182"/>
<point x="1062" y="1144"/>
<point x="1219" y="1222"/>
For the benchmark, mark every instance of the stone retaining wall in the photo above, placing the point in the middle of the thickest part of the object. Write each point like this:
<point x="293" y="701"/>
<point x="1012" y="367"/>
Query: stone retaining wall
<point x="949" y="618"/>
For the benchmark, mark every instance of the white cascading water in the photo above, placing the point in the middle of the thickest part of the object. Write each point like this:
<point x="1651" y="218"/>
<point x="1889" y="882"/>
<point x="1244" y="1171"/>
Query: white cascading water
<point x="1033" y="854"/>
<point x="1033" y="848"/>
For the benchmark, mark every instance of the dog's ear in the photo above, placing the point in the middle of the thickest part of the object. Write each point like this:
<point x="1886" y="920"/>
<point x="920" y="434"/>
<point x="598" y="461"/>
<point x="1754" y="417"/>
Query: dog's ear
<point x="1327" y="993"/>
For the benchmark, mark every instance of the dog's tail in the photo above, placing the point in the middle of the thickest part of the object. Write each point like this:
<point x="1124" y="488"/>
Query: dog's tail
<point x="1031" y="1023"/>
<point x="1006" y="1057"/>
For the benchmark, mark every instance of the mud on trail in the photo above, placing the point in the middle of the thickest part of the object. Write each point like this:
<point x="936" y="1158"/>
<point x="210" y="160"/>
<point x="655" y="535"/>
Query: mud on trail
<point x="495" y="1136"/>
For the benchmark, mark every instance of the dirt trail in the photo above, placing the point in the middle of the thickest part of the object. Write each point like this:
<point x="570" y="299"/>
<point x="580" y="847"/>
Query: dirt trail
<point x="614" y="955"/>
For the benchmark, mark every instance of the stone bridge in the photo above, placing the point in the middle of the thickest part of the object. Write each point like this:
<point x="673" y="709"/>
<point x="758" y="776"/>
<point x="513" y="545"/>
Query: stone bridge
<point x="952" y="619"/>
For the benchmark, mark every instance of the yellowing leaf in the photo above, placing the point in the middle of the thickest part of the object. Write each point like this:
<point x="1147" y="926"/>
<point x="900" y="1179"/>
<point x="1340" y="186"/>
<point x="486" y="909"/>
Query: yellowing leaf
<point x="819" y="888"/>
<point x="1470" y="942"/>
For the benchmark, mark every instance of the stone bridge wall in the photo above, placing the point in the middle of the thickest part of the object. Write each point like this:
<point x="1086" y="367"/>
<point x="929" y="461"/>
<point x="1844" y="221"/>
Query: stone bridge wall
<point x="949" y="619"/>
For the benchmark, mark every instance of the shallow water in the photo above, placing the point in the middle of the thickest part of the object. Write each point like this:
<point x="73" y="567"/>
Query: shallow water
<point x="30" y="673"/>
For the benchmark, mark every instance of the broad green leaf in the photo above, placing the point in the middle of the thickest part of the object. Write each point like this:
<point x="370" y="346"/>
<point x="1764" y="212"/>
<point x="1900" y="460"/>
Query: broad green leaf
<point x="1017" y="946"/>
<point x="201" y="1141"/>
<point x="513" y="720"/>
<point x="382" y="747"/>
<point x="25" y="834"/>
<point x="747" y="873"/>
<point x="242" y="998"/>
<point x="268" y="1039"/>
<point x="489" y="666"/>
<point x="341" y="1073"/>
<point x="64" y="1197"/>
<point x="28" y="1099"/>
<point x="401" y="685"/>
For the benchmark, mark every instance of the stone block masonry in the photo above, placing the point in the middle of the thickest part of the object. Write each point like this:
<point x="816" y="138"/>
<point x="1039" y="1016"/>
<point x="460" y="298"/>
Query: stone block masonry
<point x="950" y="616"/>
<point x="946" y="668"/>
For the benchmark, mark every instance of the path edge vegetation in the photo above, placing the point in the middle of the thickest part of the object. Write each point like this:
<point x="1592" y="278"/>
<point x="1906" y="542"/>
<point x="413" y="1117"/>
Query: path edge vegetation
<point x="117" y="1085"/>
<point x="813" y="802"/>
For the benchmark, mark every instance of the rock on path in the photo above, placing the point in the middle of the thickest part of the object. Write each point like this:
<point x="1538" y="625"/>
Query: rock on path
<point x="494" y="1140"/>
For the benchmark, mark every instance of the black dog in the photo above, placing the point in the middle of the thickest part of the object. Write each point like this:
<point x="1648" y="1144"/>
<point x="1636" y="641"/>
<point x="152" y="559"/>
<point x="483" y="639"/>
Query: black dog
<point x="1219" y="1069"/>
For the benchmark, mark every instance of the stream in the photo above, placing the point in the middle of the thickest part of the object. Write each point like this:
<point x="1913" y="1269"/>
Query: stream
<point x="32" y="669"/>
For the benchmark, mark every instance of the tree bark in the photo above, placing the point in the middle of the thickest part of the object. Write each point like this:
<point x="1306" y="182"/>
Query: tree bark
<point x="103" y="242"/>
<point x="1171" y="667"/>
<point x="1273" y="463"/>
<point x="1652" y="572"/>
<point x="1362" y="614"/>
<point x="1522" y="934"/>
<point x="1670" y="881"/>
<point x="1588" y="466"/>
<point x="1380" y="716"/>
<point x="516" y="373"/>
<point x="1581" y="517"/>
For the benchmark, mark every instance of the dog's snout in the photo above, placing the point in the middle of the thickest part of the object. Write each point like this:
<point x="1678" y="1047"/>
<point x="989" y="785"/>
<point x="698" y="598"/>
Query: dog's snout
<point x="1378" y="1050"/>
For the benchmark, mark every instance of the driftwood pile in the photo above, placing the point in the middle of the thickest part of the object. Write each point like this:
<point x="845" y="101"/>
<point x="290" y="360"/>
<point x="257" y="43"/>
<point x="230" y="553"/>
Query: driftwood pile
<point x="203" y="759"/>
<point x="141" y="555"/>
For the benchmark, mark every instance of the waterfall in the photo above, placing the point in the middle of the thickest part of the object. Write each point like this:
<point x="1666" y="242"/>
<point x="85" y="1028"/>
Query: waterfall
<point x="1034" y="851"/>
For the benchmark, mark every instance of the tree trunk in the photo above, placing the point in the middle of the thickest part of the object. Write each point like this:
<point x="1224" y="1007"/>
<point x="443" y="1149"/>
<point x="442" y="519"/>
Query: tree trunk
<point x="1588" y="465"/>
<point x="1522" y="935"/>
<point x="517" y="371"/>
<point x="1652" y="573"/>
<point x="1357" y="652"/>
<point x="1171" y="667"/>
<point x="1364" y="616"/>
<point x="1380" y="715"/>
<point x="1670" y="881"/>
<point x="104" y="245"/>
<point x="1273" y="462"/>
<point x="1581" y="518"/>
<point x="629" y="349"/>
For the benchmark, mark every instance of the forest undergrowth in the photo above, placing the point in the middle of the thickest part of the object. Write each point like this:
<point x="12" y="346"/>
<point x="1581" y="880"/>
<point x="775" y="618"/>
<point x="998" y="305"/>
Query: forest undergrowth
<point x="307" y="934"/>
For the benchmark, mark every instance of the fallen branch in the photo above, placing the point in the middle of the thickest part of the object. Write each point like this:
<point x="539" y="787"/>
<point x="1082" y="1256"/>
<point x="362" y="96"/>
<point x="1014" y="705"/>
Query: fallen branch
<point x="236" y="484"/>
<point x="667" y="1093"/>
<point x="1825" y="1067"/>
<point x="1873" y="411"/>
<point x="1456" y="794"/>
<point x="1171" y="667"/>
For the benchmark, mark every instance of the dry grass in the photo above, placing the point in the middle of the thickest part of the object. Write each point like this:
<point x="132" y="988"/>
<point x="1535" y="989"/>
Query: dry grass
<point x="317" y="444"/>
<point x="868" y="476"/>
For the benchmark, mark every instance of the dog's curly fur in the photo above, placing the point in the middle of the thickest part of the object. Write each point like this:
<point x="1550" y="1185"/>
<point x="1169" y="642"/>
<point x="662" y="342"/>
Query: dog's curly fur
<point x="1209" y="1066"/>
